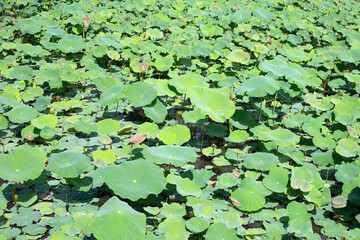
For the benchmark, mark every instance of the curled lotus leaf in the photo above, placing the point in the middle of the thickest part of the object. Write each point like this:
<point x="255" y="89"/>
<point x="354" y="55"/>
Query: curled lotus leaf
<point x="338" y="202"/>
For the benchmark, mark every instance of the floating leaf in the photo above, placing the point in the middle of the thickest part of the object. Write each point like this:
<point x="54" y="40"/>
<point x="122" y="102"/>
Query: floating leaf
<point x="261" y="161"/>
<point x="339" y="202"/>
<point x="68" y="164"/>
<point x="197" y="224"/>
<point x="177" y="134"/>
<point x="347" y="147"/>
<point x="174" y="155"/>
<point x="239" y="56"/>
<point x="277" y="179"/>
<point x="258" y="86"/>
<point x="108" y="126"/>
<point x="120" y="221"/>
<point x="136" y="179"/>
<point x="137" y="139"/>
<point x="140" y="94"/>
<point x="164" y="63"/>
<point x="22" y="114"/>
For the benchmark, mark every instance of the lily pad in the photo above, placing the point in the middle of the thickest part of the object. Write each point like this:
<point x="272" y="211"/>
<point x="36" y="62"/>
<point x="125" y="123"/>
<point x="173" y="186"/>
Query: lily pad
<point x="22" y="114"/>
<point x="164" y="63"/>
<point x="261" y="161"/>
<point x="68" y="164"/>
<point x="135" y="180"/>
<point x="174" y="155"/>
<point x="258" y="86"/>
<point x="347" y="147"/>
<point x="140" y="94"/>
<point x="277" y="179"/>
<point x="178" y="134"/>
<point x="117" y="220"/>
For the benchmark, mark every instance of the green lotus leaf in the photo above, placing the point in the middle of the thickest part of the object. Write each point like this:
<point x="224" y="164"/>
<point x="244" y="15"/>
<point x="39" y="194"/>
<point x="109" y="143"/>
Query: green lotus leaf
<point x="140" y="94"/>
<point x="3" y="122"/>
<point x="152" y="210"/>
<point x="156" y="111"/>
<point x="202" y="207"/>
<point x="174" y="228"/>
<point x="22" y="73"/>
<point x="174" y="155"/>
<point x="66" y="105"/>
<point x="277" y="180"/>
<point x="347" y="111"/>
<point x="71" y="44"/>
<point x="173" y="210"/>
<point x="22" y="114"/>
<point x="49" y="132"/>
<point x="239" y="56"/>
<point x="188" y="81"/>
<point x="219" y="230"/>
<point x="149" y="129"/>
<point x="230" y="218"/>
<point x="338" y="202"/>
<point x="197" y="224"/>
<point x="323" y="158"/>
<point x="34" y="229"/>
<point x="251" y="194"/>
<point x="283" y="137"/>
<point x="242" y="119"/>
<point x="208" y="30"/>
<point x="99" y="51"/>
<point x="164" y="63"/>
<point x="259" y="49"/>
<point x="193" y="116"/>
<point x="112" y="95"/>
<point x="301" y="184"/>
<point x="108" y="156"/>
<point x="227" y="180"/>
<point x="295" y="54"/>
<point x="135" y="180"/>
<point x="178" y="134"/>
<point x="299" y="226"/>
<point x="85" y="127"/>
<point x="258" y="86"/>
<point x="45" y="120"/>
<point x="263" y="13"/>
<point x="297" y="210"/>
<point x="184" y="186"/>
<point x="261" y="161"/>
<point x="347" y="172"/>
<point x="238" y="136"/>
<point x="199" y="176"/>
<point x="68" y="164"/>
<point x="216" y="130"/>
<point x="210" y="151"/>
<point x="117" y="220"/>
<point x="347" y="147"/>
<point x="214" y="102"/>
<point x="22" y="164"/>
<point x="108" y="126"/>
<point x="113" y="55"/>
<point x="60" y="236"/>
<point x="351" y="55"/>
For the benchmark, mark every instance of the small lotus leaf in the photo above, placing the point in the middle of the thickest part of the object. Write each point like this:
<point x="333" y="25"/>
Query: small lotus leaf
<point x="117" y="220"/>
<point x="230" y="218"/>
<point x="135" y="180"/>
<point x="258" y="86"/>
<point x="178" y="134"/>
<point x="174" y="210"/>
<point x="164" y="63"/>
<point x="22" y="72"/>
<point x="108" y="126"/>
<point x="239" y="56"/>
<point x="112" y="95"/>
<point x="184" y="186"/>
<point x="156" y="111"/>
<point x="238" y="136"/>
<point x="174" y="228"/>
<point x="227" y="180"/>
<point x="197" y="224"/>
<point x="219" y="230"/>
<point x="347" y="147"/>
<point x="22" y="114"/>
<point x="174" y="155"/>
<point x="277" y="179"/>
<point x="339" y="202"/>
<point x="68" y="164"/>
<point x="261" y="161"/>
<point x="71" y="44"/>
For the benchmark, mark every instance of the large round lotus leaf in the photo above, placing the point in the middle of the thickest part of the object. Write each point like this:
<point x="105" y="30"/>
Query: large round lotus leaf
<point x="175" y="155"/>
<point x="68" y="164"/>
<point x="251" y="194"/>
<point x="156" y="111"/>
<point x="22" y="114"/>
<point x="347" y="172"/>
<point x="184" y="186"/>
<point x="188" y="81"/>
<point x="227" y="180"/>
<point x="174" y="228"/>
<point x="178" y="134"/>
<point x="283" y="137"/>
<point x="295" y="54"/>
<point x="108" y="126"/>
<point x="164" y="63"/>
<point x="239" y="56"/>
<point x="112" y="95"/>
<point x="85" y="127"/>
<point x="299" y="226"/>
<point x="45" y="120"/>
<point x="197" y="224"/>
<point x="22" y="72"/>
<point x="277" y="179"/>
<point x="22" y="164"/>
<point x="347" y="147"/>
<point x="108" y="156"/>
<point x="214" y="102"/>
<point x="173" y="210"/>
<point x="135" y="180"/>
<point x="71" y="44"/>
<point x="140" y="94"/>
<point x="347" y="111"/>
<point x="258" y="86"/>
<point x="117" y="220"/>
<point x="261" y="161"/>
<point x="297" y="210"/>
<point x="230" y="218"/>
<point x="202" y="207"/>
<point x="219" y="230"/>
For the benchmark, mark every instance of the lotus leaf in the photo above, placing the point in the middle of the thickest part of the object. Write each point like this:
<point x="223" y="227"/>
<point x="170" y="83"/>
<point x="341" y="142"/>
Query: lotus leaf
<point x="238" y="136"/>
<point x="283" y="137"/>
<point x="112" y="95"/>
<point x="178" y="134"/>
<point x="135" y="180"/>
<point x="216" y="130"/>
<point x="156" y="111"/>
<point x="347" y="147"/>
<point x="219" y="231"/>
<point x="261" y="161"/>
<point x="184" y="186"/>
<point x="174" y="228"/>
<point x="71" y="44"/>
<point x="68" y="164"/>
<point x="197" y="224"/>
<point x="164" y="63"/>
<point x="227" y="180"/>
<point x="108" y="156"/>
<point x="251" y="194"/>
<point x="174" y="155"/>
<point x="149" y="129"/>
<point x="108" y="126"/>
<point x="210" y="151"/>
<point x="140" y="94"/>
<point x="117" y="220"/>
<point x="239" y="56"/>
<point x="45" y="120"/>
<point x="339" y="202"/>
<point x="277" y="179"/>
<point x="214" y="102"/>
<point x="230" y="218"/>
<point x="188" y="81"/>
<point x="173" y="210"/>
<point x="22" y="114"/>
<point x="22" y="164"/>
<point x="347" y="172"/>
<point x="22" y="73"/>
